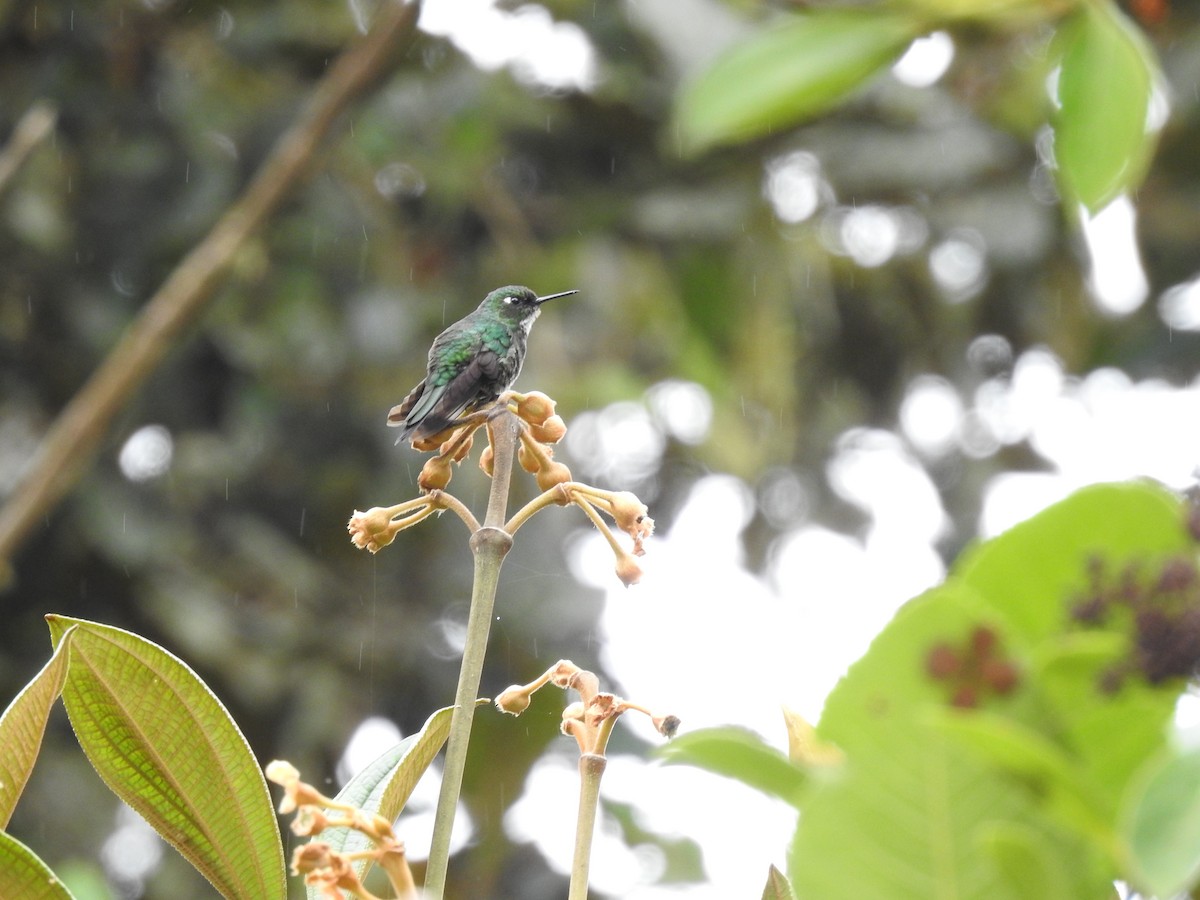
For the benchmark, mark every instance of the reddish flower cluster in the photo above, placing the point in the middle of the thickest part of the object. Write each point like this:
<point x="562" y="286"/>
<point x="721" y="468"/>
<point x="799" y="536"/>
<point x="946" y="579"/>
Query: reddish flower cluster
<point x="1160" y="605"/>
<point x="972" y="669"/>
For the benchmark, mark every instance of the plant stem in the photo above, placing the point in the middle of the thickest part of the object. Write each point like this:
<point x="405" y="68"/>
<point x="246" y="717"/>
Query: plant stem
<point x="591" y="769"/>
<point x="489" y="544"/>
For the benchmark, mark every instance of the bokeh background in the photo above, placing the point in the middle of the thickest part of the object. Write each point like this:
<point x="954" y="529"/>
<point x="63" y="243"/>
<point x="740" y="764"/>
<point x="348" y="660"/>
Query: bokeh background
<point x="827" y="360"/>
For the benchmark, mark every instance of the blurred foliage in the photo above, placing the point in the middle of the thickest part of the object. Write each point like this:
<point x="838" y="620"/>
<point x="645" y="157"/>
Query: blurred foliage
<point x="449" y="181"/>
<point x="1008" y="734"/>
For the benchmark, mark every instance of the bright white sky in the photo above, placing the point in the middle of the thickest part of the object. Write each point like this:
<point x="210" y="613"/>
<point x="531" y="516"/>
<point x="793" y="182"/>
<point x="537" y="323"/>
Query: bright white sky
<point x="705" y="638"/>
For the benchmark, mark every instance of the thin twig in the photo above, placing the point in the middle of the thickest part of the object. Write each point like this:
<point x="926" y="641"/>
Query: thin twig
<point x="443" y="500"/>
<point x="31" y="129"/>
<point x="74" y="438"/>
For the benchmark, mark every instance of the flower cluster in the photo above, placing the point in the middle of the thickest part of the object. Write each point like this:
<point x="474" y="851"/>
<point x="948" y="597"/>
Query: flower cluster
<point x="1159" y="603"/>
<point x="973" y="669"/>
<point x="590" y="719"/>
<point x="325" y="869"/>
<point x="540" y="428"/>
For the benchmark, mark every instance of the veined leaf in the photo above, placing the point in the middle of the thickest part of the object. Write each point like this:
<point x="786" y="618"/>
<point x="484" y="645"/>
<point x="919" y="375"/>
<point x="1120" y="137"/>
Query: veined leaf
<point x="788" y="73"/>
<point x="24" y="875"/>
<point x="166" y="746"/>
<point x="22" y="727"/>
<point x="385" y="785"/>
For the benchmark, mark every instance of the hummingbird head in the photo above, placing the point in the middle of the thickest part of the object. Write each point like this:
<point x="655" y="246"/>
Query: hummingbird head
<point x="516" y="304"/>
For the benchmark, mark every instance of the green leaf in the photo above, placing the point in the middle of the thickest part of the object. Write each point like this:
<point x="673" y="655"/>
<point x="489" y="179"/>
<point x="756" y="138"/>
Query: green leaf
<point x="778" y="887"/>
<point x="889" y="687"/>
<point x="1030" y="573"/>
<point x="1101" y="141"/>
<point x="789" y="73"/>
<point x="1162" y="826"/>
<point x="742" y="755"/>
<point x="22" y="727"/>
<point x="1111" y="735"/>
<point x="166" y="746"/>
<point x="1025" y="861"/>
<point x="24" y="875"/>
<point x="924" y="785"/>
<point x="1026" y="753"/>
<point x="385" y="785"/>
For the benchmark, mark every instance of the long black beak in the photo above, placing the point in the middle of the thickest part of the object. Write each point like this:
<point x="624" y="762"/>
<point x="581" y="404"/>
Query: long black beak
<point x="542" y="300"/>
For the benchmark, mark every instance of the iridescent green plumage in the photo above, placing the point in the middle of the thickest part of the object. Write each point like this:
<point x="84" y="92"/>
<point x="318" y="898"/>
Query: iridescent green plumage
<point x="471" y="363"/>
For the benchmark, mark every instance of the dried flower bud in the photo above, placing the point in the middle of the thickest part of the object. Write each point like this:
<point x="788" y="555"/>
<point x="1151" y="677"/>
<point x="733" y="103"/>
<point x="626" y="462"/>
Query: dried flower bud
<point x="603" y="706"/>
<point x="309" y="820"/>
<point x="296" y="792"/>
<point x="435" y="474"/>
<point x="514" y="699"/>
<point x="487" y="460"/>
<point x="573" y="712"/>
<point x="528" y="461"/>
<point x="666" y="725"/>
<point x="576" y="729"/>
<point x="549" y="432"/>
<point x="535" y="407"/>
<point x="428" y="443"/>
<point x="553" y="474"/>
<point x="563" y="673"/>
<point x="371" y="530"/>
<point x="585" y="682"/>
<point x="463" y="448"/>
<point x="628" y="569"/>
<point x="312" y="856"/>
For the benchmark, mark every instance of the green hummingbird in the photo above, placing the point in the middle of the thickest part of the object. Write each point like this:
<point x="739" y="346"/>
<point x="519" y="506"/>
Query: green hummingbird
<point x="471" y="363"/>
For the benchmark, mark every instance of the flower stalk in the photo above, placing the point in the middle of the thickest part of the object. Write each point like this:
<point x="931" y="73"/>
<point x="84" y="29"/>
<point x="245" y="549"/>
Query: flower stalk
<point x="520" y="429"/>
<point x="590" y="721"/>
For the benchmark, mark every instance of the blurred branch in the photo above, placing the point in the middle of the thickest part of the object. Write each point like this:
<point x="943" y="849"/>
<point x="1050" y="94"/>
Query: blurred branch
<point x="74" y="437"/>
<point x="34" y="127"/>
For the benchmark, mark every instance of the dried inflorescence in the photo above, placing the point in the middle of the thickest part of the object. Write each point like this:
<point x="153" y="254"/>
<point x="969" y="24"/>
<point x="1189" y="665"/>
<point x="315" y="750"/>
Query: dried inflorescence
<point x="328" y="871"/>
<point x="540" y="427"/>
<point x="590" y="719"/>
<point x="972" y="669"/>
<point x="1159" y="603"/>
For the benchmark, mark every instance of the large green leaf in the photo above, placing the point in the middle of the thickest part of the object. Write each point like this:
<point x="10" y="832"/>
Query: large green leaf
<point x="1162" y="826"/>
<point x="789" y="73"/>
<point x="1102" y="144"/>
<point x="1031" y="572"/>
<point x="385" y="785"/>
<point x="917" y="811"/>
<point x="740" y="754"/>
<point x="1025" y="861"/>
<point x="167" y="747"/>
<point x="23" y="876"/>
<point x="22" y="727"/>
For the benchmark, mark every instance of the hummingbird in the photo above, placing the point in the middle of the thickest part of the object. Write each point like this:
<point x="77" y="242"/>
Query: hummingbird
<point x="471" y="363"/>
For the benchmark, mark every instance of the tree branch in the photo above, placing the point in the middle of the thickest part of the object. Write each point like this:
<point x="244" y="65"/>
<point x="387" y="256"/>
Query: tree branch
<point x="73" y="439"/>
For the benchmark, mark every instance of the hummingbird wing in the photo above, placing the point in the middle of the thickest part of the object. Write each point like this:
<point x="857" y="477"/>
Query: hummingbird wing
<point x="444" y="395"/>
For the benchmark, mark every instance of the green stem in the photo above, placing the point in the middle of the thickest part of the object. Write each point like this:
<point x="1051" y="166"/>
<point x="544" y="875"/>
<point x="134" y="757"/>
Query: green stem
<point x="591" y="769"/>
<point x="489" y="544"/>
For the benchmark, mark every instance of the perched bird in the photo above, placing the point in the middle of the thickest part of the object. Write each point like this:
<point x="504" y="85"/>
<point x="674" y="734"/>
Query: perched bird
<point x="471" y="363"/>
